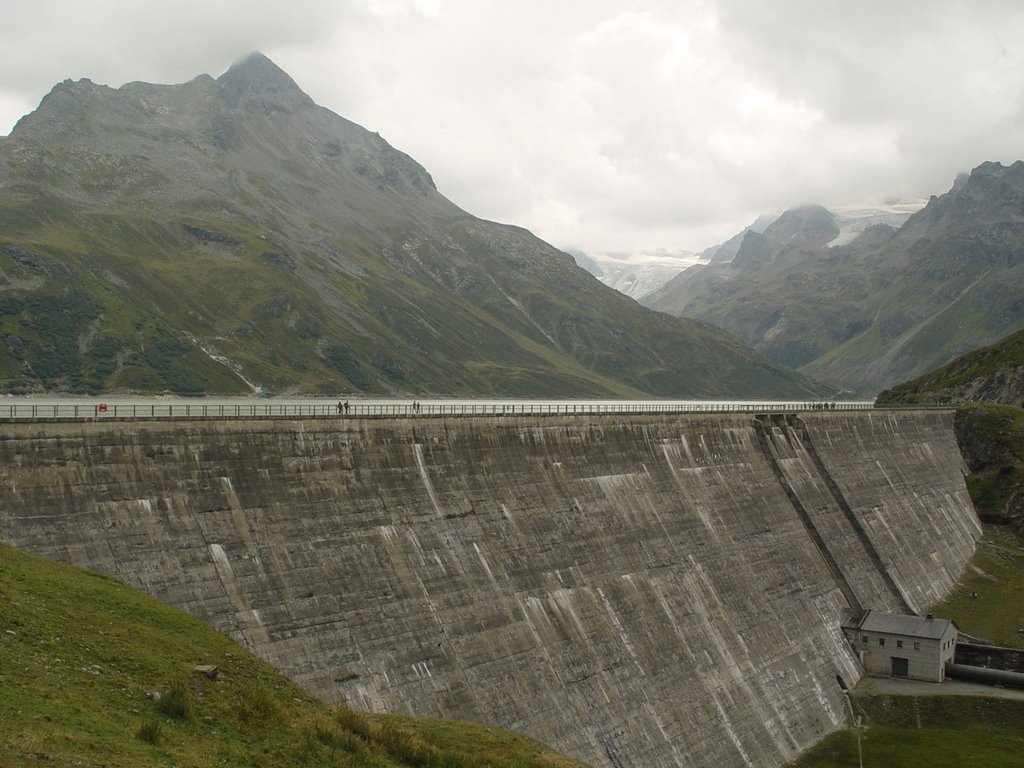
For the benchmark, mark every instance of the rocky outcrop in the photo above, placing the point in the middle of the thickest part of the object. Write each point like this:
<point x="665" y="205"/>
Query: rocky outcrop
<point x="1004" y="385"/>
<point x="991" y="439"/>
<point x="634" y="590"/>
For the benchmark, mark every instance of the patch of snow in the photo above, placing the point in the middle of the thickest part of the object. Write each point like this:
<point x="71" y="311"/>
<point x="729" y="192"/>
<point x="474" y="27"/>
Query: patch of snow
<point x="855" y="219"/>
<point x="639" y="274"/>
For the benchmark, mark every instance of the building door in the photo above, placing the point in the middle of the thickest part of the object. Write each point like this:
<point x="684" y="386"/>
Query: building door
<point x="900" y="667"/>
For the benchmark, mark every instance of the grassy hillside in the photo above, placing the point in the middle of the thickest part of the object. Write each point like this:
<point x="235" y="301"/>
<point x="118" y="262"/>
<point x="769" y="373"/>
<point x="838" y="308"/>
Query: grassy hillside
<point x="994" y="373"/>
<point x="82" y="655"/>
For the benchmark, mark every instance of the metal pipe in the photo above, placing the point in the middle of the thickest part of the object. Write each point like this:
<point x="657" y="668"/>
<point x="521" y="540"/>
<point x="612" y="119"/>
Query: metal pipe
<point x="985" y="675"/>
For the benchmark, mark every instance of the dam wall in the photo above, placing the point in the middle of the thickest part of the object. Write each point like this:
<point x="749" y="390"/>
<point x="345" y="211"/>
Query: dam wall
<point x="635" y="590"/>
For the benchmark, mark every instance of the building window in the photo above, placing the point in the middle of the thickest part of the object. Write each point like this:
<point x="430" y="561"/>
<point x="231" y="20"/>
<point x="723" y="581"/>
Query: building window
<point x="865" y="639"/>
<point x="899" y="643"/>
<point x="917" y="646"/>
<point x="881" y="642"/>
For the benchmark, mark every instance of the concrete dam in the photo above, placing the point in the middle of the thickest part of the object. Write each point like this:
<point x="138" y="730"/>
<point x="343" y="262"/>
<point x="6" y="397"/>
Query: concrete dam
<point x="635" y="590"/>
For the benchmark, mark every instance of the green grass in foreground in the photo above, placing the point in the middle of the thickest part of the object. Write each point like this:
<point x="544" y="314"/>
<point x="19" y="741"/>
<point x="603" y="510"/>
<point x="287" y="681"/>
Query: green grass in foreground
<point x="81" y="654"/>
<point x="954" y="732"/>
<point x="989" y="601"/>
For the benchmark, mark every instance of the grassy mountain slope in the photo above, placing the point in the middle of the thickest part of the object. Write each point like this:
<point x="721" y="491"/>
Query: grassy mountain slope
<point x="993" y="374"/>
<point x="229" y="233"/>
<point x="81" y="655"/>
<point x="883" y="308"/>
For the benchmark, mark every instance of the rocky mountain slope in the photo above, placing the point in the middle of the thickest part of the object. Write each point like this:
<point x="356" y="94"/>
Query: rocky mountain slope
<point x="884" y="307"/>
<point x="228" y="234"/>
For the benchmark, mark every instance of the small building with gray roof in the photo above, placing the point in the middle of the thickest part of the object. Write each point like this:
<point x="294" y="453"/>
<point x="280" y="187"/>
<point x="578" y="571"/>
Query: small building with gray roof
<point x="903" y="646"/>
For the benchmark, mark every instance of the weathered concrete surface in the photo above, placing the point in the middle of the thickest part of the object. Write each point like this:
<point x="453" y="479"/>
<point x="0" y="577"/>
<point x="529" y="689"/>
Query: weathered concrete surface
<point x="635" y="590"/>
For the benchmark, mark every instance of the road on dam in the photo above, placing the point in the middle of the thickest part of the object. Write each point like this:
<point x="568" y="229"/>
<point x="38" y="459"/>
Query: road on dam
<point x="104" y="406"/>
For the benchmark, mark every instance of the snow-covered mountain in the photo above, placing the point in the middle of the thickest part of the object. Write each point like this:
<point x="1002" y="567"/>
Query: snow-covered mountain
<point x="638" y="274"/>
<point x="854" y="219"/>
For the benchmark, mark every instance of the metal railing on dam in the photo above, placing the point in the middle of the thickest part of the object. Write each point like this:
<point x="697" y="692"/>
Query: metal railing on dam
<point x="183" y="409"/>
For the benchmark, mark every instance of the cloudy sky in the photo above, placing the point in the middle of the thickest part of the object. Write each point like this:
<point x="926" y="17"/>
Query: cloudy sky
<point x="604" y="125"/>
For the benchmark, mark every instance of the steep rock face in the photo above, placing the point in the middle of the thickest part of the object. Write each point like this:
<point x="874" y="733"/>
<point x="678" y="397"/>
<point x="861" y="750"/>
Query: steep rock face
<point x="636" y="591"/>
<point x="991" y="438"/>
<point x="1003" y="385"/>
<point x="883" y="307"/>
<point x="791" y="235"/>
<point x="227" y="234"/>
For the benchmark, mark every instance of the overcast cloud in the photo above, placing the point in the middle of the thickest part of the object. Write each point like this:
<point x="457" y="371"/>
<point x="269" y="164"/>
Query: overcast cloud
<point x="605" y="125"/>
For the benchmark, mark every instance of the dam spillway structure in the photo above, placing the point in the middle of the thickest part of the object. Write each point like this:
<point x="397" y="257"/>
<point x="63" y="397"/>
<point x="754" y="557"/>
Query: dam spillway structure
<point x="633" y="589"/>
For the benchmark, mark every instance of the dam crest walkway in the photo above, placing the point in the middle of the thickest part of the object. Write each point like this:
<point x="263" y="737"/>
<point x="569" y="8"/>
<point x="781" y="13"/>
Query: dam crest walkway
<point x="183" y="408"/>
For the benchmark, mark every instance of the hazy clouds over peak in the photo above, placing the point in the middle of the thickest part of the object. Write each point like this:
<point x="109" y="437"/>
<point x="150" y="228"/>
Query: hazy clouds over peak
<point x="605" y="125"/>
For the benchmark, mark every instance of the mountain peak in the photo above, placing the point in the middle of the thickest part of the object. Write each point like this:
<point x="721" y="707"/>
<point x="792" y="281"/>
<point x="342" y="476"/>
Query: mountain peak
<point x="804" y="225"/>
<point x="255" y="80"/>
<point x="258" y="69"/>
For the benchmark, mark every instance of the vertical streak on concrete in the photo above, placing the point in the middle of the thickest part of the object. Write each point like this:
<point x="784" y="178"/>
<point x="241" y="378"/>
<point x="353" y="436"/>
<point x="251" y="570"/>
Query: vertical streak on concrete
<point x="761" y="429"/>
<point x="697" y="508"/>
<point x="241" y="525"/>
<point x="417" y="449"/>
<point x="209" y="547"/>
<point x="869" y="547"/>
<point x="617" y="624"/>
<point x="730" y="729"/>
<point x="237" y="597"/>
<point x="483" y="562"/>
